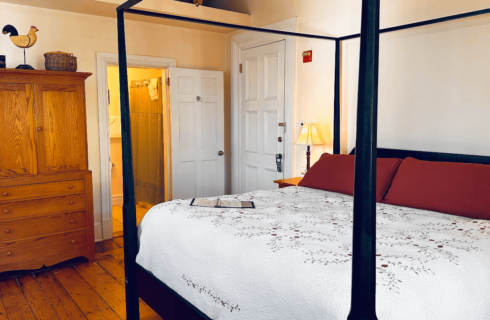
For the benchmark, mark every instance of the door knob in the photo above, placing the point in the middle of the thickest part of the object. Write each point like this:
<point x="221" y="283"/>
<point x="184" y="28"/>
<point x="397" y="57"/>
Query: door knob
<point x="221" y="153"/>
<point x="198" y="98"/>
<point x="39" y="129"/>
<point x="279" y="139"/>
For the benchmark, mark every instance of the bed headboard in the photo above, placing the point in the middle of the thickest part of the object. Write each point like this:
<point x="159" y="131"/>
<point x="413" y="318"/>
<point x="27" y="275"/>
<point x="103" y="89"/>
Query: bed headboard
<point x="430" y="156"/>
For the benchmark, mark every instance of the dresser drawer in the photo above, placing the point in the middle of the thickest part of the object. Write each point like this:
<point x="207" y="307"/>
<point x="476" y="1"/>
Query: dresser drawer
<point x="26" y="228"/>
<point x="42" y="190"/>
<point x="28" y="249"/>
<point x="19" y="209"/>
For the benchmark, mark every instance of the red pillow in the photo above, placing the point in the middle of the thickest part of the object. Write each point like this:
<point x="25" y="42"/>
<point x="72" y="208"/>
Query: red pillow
<point x="456" y="188"/>
<point x="335" y="172"/>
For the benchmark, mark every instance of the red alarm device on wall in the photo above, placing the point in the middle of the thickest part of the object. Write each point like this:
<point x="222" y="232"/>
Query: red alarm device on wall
<point x="308" y="56"/>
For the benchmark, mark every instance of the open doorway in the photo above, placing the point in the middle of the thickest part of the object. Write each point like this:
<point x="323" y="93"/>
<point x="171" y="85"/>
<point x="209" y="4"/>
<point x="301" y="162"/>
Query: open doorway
<point x="193" y="125"/>
<point x="103" y="228"/>
<point x="149" y="133"/>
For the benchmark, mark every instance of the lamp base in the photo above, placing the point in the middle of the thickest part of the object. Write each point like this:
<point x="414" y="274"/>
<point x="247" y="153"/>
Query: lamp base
<point x="308" y="154"/>
<point x="25" y="67"/>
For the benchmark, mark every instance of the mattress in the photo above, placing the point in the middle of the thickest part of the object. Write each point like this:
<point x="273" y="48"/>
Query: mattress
<point x="291" y="258"/>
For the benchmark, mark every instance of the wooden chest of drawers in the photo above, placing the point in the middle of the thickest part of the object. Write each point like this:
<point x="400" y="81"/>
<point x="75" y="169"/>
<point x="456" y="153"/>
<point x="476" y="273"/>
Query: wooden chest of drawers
<point x="46" y="210"/>
<point x="44" y="223"/>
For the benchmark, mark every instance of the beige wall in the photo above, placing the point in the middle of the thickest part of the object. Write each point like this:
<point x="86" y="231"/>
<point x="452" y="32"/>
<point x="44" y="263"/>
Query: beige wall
<point x="84" y="35"/>
<point x="433" y="88"/>
<point x="324" y="17"/>
<point x="433" y="82"/>
<point x="314" y="96"/>
<point x="399" y="12"/>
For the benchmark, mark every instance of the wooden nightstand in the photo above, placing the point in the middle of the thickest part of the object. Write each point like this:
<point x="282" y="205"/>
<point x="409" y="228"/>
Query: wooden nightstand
<point x="288" y="182"/>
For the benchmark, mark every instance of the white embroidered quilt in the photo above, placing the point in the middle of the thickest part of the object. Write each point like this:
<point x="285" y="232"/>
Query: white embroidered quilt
<point x="290" y="258"/>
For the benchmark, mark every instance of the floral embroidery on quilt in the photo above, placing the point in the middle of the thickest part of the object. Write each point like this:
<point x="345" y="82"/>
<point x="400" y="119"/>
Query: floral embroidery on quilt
<point x="201" y="289"/>
<point x="319" y="225"/>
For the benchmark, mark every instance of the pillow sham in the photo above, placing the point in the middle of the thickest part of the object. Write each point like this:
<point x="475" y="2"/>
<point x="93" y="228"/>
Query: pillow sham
<point x="461" y="189"/>
<point x="335" y="172"/>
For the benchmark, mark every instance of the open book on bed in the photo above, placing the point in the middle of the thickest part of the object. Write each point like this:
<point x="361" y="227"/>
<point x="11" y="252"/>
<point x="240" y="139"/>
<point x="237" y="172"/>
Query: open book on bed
<point x="222" y="203"/>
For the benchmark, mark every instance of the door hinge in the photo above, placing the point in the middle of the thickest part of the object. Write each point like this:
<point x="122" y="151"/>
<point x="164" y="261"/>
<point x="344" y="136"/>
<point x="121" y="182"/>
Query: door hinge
<point x="109" y="96"/>
<point x="241" y="68"/>
<point x="168" y="82"/>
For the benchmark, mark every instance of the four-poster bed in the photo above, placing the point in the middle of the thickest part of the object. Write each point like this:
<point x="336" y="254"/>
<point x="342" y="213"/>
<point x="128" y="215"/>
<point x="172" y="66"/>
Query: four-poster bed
<point x="141" y="282"/>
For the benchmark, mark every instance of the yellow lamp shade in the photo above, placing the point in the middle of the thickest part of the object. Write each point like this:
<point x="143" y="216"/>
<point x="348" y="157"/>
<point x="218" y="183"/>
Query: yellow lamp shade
<point x="309" y="136"/>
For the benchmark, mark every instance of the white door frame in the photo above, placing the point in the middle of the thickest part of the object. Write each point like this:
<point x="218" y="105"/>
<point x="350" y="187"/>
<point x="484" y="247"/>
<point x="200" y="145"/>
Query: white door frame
<point x="104" y="60"/>
<point x="249" y="40"/>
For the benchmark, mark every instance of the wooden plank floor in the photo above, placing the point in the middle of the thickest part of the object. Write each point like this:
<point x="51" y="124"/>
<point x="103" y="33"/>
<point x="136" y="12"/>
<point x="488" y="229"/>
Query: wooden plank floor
<point x="117" y="219"/>
<point x="71" y="290"/>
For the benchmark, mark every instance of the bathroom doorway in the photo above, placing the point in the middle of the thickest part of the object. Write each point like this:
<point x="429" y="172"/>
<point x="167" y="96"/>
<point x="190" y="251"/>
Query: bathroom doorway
<point x="148" y="105"/>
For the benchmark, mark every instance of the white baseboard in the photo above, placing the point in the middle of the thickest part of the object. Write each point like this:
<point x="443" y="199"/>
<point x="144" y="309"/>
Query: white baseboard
<point x="107" y="227"/>
<point x="117" y="199"/>
<point x="98" y="232"/>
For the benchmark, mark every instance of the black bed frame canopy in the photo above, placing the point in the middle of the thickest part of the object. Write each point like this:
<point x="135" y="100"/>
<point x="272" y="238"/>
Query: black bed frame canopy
<point x="364" y="229"/>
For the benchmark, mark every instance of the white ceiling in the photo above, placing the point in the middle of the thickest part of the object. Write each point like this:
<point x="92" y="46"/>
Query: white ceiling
<point x="343" y="17"/>
<point x="325" y="17"/>
<point x="107" y="8"/>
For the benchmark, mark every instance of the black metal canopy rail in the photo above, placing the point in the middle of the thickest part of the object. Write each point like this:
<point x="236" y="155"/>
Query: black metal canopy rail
<point x="364" y="240"/>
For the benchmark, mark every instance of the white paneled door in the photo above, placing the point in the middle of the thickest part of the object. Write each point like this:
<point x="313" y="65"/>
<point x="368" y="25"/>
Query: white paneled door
<point x="262" y="126"/>
<point x="197" y="122"/>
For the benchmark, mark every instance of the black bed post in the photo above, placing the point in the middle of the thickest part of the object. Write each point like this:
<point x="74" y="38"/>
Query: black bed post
<point x="363" y="301"/>
<point x="336" y="103"/>
<point x="129" y="208"/>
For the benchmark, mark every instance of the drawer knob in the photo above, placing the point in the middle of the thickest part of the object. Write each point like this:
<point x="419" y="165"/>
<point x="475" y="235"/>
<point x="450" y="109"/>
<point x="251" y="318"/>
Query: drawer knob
<point x="71" y="202"/>
<point x="5" y="211"/>
<point x="70" y="187"/>
<point x="9" y="253"/>
<point x="5" y="194"/>
<point x="72" y="221"/>
<point x="73" y="242"/>
<point x="39" y="129"/>
<point x="7" y="231"/>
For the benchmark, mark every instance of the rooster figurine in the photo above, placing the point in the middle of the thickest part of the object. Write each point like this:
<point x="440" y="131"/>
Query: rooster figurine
<point x="22" y="41"/>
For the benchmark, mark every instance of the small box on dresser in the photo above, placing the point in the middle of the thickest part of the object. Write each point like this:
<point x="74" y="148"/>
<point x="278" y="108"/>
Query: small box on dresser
<point x="46" y="208"/>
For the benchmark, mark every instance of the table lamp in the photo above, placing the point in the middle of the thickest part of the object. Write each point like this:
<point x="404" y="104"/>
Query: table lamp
<point x="309" y="137"/>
